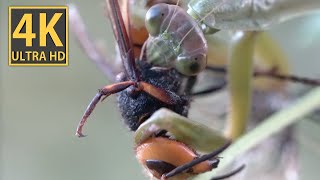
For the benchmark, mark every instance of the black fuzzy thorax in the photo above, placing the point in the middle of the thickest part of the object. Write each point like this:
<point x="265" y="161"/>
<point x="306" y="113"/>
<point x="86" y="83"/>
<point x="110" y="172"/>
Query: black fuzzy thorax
<point x="135" y="110"/>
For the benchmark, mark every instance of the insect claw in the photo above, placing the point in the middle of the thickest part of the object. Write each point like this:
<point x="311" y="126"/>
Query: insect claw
<point x="79" y="130"/>
<point x="87" y="113"/>
<point x="214" y="163"/>
<point x="80" y="135"/>
<point x="163" y="177"/>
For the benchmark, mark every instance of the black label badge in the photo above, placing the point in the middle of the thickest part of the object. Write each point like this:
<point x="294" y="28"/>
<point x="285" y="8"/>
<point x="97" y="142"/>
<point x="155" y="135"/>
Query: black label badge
<point x="38" y="36"/>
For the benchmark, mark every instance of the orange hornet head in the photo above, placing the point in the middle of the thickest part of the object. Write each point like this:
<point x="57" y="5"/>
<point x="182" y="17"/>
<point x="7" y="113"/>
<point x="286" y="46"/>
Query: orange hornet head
<point x="161" y="155"/>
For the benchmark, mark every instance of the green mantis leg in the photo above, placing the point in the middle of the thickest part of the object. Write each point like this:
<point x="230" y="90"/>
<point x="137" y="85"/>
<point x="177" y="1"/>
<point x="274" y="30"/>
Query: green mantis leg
<point x="240" y="82"/>
<point x="196" y="135"/>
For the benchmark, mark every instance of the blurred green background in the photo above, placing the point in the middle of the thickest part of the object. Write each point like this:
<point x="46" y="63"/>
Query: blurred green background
<point x="41" y="107"/>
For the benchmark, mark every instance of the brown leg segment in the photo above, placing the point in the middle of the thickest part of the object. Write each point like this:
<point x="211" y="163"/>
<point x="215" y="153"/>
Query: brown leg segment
<point x="158" y="93"/>
<point x="105" y="91"/>
<point x="123" y="40"/>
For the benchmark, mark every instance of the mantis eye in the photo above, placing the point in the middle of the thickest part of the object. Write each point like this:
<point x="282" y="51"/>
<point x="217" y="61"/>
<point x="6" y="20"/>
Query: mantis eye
<point x="155" y="17"/>
<point x="191" y="65"/>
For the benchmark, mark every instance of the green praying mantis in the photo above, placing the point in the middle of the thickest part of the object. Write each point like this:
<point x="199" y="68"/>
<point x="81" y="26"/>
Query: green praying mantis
<point x="252" y="53"/>
<point x="250" y="43"/>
